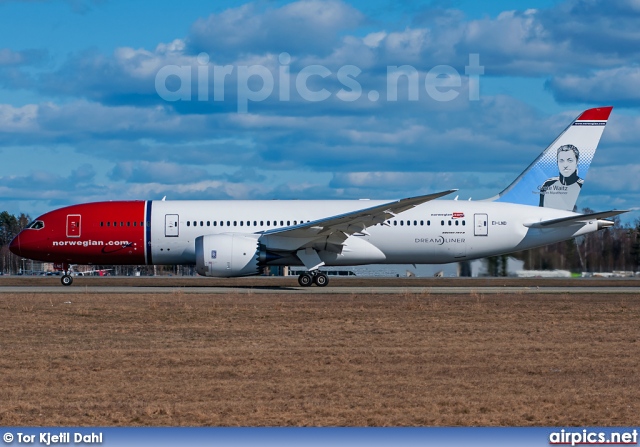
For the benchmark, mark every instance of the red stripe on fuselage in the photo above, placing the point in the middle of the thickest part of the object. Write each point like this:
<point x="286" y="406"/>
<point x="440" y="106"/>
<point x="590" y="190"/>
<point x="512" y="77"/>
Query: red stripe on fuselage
<point x="108" y="233"/>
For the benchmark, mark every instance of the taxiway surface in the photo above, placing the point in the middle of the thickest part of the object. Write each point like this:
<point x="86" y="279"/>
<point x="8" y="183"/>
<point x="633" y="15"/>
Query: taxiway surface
<point x="340" y="286"/>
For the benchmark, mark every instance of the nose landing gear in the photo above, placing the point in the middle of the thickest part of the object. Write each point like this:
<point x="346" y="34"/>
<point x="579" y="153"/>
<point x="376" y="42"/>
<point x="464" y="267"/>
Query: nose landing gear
<point x="316" y="277"/>
<point x="66" y="279"/>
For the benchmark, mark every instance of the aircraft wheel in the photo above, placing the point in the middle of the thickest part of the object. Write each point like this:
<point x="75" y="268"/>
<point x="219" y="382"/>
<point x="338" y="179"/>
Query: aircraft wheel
<point x="66" y="280"/>
<point x="321" y="280"/>
<point x="305" y="280"/>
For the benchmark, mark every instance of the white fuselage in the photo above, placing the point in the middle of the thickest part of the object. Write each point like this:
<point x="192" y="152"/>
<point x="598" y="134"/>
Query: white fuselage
<point x="436" y="232"/>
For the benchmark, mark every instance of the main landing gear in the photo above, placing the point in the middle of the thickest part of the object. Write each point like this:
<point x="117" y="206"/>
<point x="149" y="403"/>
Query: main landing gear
<point x="313" y="277"/>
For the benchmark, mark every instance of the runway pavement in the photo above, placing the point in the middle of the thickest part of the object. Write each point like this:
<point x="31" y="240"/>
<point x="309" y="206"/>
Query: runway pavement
<point x="72" y="290"/>
<point x="340" y="286"/>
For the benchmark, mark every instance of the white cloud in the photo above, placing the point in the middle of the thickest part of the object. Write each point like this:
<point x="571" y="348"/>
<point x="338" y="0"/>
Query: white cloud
<point x="9" y="57"/>
<point x="622" y="179"/>
<point x="298" y="27"/>
<point x="18" y="119"/>
<point x="372" y="40"/>
<point x="391" y="180"/>
<point x="620" y="85"/>
<point x="156" y="172"/>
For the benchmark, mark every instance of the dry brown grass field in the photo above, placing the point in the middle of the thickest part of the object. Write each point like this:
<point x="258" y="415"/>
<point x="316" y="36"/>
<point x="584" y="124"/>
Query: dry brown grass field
<point x="319" y="360"/>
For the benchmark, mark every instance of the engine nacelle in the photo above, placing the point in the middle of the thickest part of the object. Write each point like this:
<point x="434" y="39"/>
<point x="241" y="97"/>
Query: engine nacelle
<point x="228" y="254"/>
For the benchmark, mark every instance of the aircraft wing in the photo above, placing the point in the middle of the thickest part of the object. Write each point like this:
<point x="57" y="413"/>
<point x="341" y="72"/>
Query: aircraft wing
<point x="331" y="232"/>
<point x="574" y="220"/>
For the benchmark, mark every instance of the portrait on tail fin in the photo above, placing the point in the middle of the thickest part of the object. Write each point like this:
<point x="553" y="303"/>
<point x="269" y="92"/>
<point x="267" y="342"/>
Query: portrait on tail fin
<point x="570" y="156"/>
<point x="565" y="188"/>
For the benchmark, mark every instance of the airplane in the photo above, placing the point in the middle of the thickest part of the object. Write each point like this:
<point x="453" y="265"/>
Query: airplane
<point x="234" y="238"/>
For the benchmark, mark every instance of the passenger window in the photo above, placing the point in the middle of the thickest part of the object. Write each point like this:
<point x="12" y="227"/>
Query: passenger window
<point x="188" y="223"/>
<point x="241" y="223"/>
<point x="102" y="224"/>
<point x="108" y="224"/>
<point x="457" y="223"/>
<point x="449" y="223"/>
<point x="208" y="223"/>
<point x="442" y="222"/>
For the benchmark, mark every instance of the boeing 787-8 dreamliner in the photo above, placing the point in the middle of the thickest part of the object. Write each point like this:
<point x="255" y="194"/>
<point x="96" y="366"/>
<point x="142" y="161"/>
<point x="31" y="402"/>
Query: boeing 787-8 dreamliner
<point x="232" y="238"/>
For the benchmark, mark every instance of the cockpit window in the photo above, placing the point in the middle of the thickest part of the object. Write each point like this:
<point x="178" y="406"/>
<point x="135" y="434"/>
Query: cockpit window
<point x="36" y="225"/>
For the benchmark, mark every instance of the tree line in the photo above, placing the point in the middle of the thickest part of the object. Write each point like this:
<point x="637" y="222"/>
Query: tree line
<point x="10" y="226"/>
<point x="616" y="248"/>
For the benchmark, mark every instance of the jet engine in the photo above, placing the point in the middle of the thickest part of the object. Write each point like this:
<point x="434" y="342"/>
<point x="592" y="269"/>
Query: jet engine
<point x="228" y="254"/>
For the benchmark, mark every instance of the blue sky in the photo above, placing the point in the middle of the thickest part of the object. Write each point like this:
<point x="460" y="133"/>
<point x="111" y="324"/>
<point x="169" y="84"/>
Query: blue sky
<point x="82" y="119"/>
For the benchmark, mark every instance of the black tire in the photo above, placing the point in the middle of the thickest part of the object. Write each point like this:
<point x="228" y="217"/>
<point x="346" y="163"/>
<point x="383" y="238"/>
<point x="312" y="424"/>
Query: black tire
<point x="66" y="280"/>
<point x="321" y="280"/>
<point x="305" y="280"/>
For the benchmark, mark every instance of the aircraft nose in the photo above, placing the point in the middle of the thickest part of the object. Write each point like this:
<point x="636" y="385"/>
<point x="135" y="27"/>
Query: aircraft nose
<point x="14" y="246"/>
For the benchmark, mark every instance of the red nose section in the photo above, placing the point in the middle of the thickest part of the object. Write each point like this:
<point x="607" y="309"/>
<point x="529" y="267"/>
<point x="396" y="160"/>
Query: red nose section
<point x="110" y="233"/>
<point x="14" y="246"/>
<point x="25" y="245"/>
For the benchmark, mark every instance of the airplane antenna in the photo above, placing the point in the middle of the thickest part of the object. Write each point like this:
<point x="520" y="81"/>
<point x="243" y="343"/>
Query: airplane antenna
<point x="164" y="198"/>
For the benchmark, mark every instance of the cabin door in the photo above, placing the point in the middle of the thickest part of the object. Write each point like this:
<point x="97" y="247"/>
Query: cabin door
<point x="73" y="225"/>
<point x="480" y="225"/>
<point x="171" y="228"/>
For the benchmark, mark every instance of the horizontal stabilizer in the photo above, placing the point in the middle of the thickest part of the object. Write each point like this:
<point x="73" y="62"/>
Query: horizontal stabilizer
<point x="573" y="220"/>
